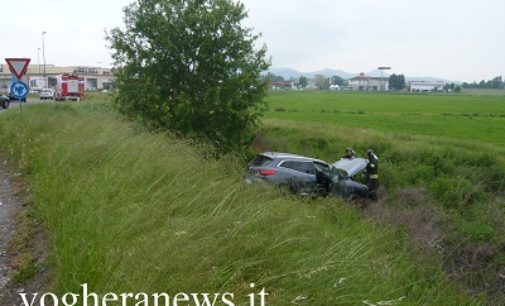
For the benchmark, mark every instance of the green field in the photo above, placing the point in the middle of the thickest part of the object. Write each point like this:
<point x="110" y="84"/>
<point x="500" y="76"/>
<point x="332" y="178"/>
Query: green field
<point x="127" y="210"/>
<point x="439" y="153"/>
<point x="479" y="118"/>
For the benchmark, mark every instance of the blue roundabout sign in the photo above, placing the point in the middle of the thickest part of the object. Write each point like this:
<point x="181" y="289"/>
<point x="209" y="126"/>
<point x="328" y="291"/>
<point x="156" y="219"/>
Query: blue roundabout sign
<point x="19" y="90"/>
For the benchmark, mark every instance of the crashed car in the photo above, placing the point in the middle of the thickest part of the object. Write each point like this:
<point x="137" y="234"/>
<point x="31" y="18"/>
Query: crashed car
<point x="307" y="176"/>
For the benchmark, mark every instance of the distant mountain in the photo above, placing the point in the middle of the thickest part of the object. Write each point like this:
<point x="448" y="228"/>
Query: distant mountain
<point x="288" y="73"/>
<point x="430" y="79"/>
<point x="331" y="72"/>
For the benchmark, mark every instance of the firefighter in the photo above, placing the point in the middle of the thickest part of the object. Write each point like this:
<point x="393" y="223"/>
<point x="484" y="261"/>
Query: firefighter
<point x="349" y="154"/>
<point x="372" y="174"/>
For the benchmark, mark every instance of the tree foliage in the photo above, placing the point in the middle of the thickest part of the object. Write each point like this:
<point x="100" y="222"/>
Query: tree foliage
<point x="336" y="80"/>
<point x="274" y="78"/>
<point x="495" y="83"/>
<point x="303" y="81"/>
<point x="322" y="82"/>
<point x="397" y="82"/>
<point x="190" y="66"/>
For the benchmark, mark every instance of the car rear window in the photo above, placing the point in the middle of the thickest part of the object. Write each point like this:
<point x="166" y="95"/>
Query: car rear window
<point x="261" y="160"/>
<point x="300" y="166"/>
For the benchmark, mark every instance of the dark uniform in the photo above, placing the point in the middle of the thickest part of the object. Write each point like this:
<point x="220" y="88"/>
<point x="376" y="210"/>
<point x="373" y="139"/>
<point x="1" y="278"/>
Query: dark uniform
<point x="372" y="174"/>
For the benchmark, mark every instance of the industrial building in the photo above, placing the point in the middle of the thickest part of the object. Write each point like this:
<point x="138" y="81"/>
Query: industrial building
<point x="363" y="82"/>
<point x="423" y="86"/>
<point x="95" y="78"/>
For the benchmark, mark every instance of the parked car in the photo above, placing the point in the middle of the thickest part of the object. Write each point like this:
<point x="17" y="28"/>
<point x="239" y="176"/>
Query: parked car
<point x="47" y="94"/>
<point x="4" y="101"/>
<point x="307" y="176"/>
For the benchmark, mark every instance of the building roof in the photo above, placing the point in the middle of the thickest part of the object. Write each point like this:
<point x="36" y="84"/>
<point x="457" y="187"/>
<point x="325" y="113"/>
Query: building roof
<point x="56" y="70"/>
<point x="362" y="76"/>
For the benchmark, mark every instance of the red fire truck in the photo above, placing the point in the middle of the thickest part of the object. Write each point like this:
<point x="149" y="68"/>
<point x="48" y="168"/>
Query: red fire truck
<point x="69" y="87"/>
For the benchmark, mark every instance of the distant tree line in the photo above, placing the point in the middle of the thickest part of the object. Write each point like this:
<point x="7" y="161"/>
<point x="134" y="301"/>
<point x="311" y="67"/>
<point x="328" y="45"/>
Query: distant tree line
<point x="452" y="87"/>
<point x="319" y="81"/>
<point x="496" y="83"/>
<point x="274" y="78"/>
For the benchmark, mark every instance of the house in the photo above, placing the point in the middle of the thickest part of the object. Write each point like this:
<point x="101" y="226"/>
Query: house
<point x="363" y="82"/>
<point x="282" y="85"/>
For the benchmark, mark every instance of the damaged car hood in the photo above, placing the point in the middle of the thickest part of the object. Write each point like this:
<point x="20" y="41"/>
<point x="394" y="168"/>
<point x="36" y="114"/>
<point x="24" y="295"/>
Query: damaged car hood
<point x="351" y="166"/>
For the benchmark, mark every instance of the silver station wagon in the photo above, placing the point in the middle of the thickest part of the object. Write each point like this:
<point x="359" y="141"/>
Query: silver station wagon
<point x="308" y="176"/>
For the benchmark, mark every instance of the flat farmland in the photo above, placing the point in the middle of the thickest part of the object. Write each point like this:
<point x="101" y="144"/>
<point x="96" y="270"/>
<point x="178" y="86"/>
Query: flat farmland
<point x="470" y="117"/>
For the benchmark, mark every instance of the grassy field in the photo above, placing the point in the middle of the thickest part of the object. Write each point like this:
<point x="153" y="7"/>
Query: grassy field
<point x="128" y="210"/>
<point x="441" y="153"/>
<point x="483" y="92"/>
<point x="480" y="118"/>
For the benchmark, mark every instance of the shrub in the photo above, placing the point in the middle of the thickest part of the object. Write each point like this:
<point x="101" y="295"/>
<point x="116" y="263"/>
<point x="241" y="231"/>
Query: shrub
<point x="452" y="192"/>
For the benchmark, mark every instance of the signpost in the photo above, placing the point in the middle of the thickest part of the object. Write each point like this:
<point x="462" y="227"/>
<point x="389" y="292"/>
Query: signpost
<point x="18" y="67"/>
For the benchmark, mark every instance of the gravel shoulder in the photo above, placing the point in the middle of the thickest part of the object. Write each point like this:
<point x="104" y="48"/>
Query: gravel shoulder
<point x="9" y="206"/>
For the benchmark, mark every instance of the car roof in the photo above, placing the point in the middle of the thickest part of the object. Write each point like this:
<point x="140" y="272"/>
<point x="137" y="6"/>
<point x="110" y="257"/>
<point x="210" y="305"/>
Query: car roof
<point x="280" y="155"/>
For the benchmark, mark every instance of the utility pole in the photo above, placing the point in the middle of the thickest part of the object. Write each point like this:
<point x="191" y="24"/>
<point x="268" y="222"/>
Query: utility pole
<point x="38" y="59"/>
<point x="44" y="51"/>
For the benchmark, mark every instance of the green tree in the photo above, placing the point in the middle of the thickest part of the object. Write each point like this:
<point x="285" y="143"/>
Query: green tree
<point x="274" y="78"/>
<point x="190" y="66"/>
<point x="396" y="82"/>
<point x="303" y="82"/>
<point x="336" y="80"/>
<point x="322" y="82"/>
<point x="496" y="82"/>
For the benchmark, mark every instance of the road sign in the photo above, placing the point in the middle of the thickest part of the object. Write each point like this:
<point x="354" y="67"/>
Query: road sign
<point x="19" y="90"/>
<point x="18" y="66"/>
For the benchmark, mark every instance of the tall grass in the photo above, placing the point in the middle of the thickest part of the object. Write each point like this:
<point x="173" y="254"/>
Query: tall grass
<point x="465" y="174"/>
<point x="429" y="150"/>
<point x="128" y="210"/>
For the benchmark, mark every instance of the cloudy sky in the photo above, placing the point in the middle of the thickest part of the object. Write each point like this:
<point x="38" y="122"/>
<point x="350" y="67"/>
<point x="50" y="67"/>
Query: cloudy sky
<point x="453" y="39"/>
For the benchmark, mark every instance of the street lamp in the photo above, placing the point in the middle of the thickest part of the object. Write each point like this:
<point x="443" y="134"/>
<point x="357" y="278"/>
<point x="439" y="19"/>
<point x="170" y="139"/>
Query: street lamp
<point x="38" y="59"/>
<point x="44" y="51"/>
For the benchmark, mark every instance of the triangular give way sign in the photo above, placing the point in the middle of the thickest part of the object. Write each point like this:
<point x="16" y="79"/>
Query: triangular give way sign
<point x="18" y="66"/>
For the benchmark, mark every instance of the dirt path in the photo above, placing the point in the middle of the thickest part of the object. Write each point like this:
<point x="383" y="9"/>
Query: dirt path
<point x="9" y="206"/>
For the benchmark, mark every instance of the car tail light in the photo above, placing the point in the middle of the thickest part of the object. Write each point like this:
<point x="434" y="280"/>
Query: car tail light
<point x="267" y="172"/>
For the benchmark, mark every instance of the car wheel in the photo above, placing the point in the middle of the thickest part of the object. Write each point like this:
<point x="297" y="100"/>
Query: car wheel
<point x="284" y="188"/>
<point x="295" y="185"/>
<point x="352" y="197"/>
<point x="5" y="104"/>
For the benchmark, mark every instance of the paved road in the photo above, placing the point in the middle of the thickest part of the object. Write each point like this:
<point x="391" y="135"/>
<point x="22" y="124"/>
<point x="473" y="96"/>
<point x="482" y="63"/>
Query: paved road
<point x="15" y="104"/>
<point x="9" y="206"/>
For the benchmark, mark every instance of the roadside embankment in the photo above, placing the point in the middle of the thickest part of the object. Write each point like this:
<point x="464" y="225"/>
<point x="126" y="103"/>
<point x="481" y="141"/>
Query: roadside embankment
<point x="127" y="210"/>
